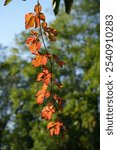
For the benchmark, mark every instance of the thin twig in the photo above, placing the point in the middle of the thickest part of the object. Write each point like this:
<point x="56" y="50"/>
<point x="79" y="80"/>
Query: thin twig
<point x="51" y="64"/>
<point x="48" y="58"/>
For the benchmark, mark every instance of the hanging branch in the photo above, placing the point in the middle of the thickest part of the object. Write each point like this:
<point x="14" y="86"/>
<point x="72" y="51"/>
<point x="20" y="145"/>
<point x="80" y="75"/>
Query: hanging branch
<point x="37" y="20"/>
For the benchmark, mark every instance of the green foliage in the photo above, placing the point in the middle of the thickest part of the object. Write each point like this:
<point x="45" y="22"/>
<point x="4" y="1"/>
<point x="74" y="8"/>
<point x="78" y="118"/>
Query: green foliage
<point x="55" y="4"/>
<point x="7" y="2"/>
<point x="20" y="122"/>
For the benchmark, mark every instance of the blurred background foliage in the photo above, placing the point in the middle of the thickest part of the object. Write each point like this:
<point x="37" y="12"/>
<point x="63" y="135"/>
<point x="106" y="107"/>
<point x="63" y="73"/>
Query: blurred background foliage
<point x="21" y="127"/>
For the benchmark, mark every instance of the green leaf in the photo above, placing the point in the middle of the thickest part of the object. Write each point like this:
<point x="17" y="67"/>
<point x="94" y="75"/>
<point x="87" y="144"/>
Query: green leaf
<point x="68" y="5"/>
<point x="7" y="2"/>
<point x="55" y="4"/>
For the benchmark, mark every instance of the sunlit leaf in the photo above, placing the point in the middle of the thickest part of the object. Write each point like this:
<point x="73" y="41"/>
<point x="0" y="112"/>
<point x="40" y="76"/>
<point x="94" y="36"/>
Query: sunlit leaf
<point x="44" y="25"/>
<point x="42" y="16"/>
<point x="37" y="21"/>
<point x="47" y="112"/>
<point x="29" y="20"/>
<point x="33" y="43"/>
<point x="41" y="93"/>
<point x="37" y="9"/>
<point x="39" y="60"/>
<point x="54" y="127"/>
<point x="45" y="76"/>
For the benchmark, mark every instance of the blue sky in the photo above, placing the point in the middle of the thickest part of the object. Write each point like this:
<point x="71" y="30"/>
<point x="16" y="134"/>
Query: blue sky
<point x="12" y="18"/>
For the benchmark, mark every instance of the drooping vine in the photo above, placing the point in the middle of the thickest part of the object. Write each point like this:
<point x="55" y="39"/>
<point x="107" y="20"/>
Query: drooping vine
<point x="36" y="21"/>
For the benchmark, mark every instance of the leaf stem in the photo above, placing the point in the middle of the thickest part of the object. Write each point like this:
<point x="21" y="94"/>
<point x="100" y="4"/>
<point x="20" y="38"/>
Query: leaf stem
<point x="51" y="67"/>
<point x="51" y="64"/>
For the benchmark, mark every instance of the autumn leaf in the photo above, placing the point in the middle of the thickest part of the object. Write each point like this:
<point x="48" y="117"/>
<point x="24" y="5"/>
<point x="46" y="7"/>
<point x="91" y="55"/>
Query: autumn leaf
<point x="37" y="21"/>
<point x="54" y="127"/>
<point x="33" y="32"/>
<point x="33" y="44"/>
<point x="39" y="60"/>
<point x="42" y="16"/>
<point x="40" y="97"/>
<point x="45" y="76"/>
<point x="30" y="39"/>
<point x="51" y="37"/>
<point x="35" y="47"/>
<point x="47" y="94"/>
<point x="29" y="20"/>
<point x="44" y="25"/>
<point x="37" y="9"/>
<point x="51" y="33"/>
<point x="33" y="19"/>
<point x="41" y="94"/>
<point x="59" y="99"/>
<point x="47" y="112"/>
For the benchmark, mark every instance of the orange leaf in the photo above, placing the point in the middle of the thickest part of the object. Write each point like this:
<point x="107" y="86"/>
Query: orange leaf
<point x="29" y="20"/>
<point x="52" y="132"/>
<point x="41" y="93"/>
<point x="48" y="111"/>
<point x="33" y="32"/>
<point x="39" y="60"/>
<point x="51" y="125"/>
<point x="47" y="94"/>
<point x="42" y="16"/>
<point x="40" y="98"/>
<point x="59" y="99"/>
<point x="54" y="127"/>
<point x="47" y="79"/>
<point x="45" y="76"/>
<point x="33" y="44"/>
<point x="35" y="47"/>
<point x="37" y="9"/>
<point x="30" y="39"/>
<point x="37" y="21"/>
<point x="44" y="87"/>
<point x="44" y="25"/>
<point x="40" y="76"/>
